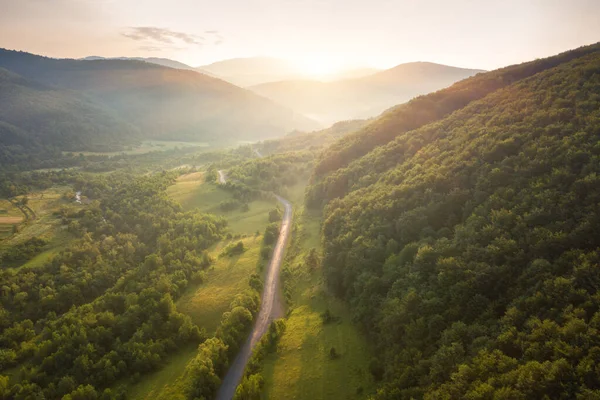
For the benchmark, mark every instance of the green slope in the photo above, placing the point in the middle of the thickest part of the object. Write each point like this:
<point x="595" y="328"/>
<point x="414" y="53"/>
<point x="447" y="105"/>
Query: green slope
<point x="335" y="172"/>
<point x="468" y="247"/>
<point x="58" y="118"/>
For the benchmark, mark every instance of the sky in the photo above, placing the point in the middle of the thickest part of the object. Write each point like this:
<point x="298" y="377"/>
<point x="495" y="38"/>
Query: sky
<point x="316" y="34"/>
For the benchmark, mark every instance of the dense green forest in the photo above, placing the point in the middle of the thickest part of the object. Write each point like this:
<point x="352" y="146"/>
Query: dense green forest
<point x="102" y="309"/>
<point x="462" y="228"/>
<point x="335" y="171"/>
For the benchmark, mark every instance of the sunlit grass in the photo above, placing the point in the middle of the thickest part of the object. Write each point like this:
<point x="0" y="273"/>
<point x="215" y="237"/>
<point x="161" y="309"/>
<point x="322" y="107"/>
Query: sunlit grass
<point x="206" y="302"/>
<point x="192" y="192"/>
<point x="165" y="383"/>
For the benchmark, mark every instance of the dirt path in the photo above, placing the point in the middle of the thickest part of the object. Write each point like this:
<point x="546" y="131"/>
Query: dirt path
<point x="221" y="176"/>
<point x="269" y="308"/>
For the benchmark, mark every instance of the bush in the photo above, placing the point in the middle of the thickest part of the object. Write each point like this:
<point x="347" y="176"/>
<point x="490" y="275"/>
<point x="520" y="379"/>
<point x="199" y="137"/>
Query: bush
<point x="229" y="205"/>
<point x="271" y="234"/>
<point x="327" y="317"/>
<point x="234" y="249"/>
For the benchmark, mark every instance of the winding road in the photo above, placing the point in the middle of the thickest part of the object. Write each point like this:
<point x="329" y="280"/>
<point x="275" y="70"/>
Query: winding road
<point x="270" y="306"/>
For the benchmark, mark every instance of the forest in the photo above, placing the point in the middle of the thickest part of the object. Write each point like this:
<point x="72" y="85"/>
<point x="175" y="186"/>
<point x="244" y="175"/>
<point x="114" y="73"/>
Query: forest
<point x="466" y="243"/>
<point x="102" y="309"/>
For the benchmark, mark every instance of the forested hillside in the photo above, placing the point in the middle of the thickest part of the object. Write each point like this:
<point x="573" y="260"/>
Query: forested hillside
<point x="335" y="172"/>
<point x="468" y="245"/>
<point x="161" y="102"/>
<point x="58" y="118"/>
<point x="315" y="140"/>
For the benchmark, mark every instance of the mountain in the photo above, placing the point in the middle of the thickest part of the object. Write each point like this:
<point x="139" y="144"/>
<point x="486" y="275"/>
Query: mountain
<point x="163" y="103"/>
<point x="251" y="70"/>
<point x="363" y="97"/>
<point x="463" y="229"/>
<point x="59" y="118"/>
<point x="165" y="62"/>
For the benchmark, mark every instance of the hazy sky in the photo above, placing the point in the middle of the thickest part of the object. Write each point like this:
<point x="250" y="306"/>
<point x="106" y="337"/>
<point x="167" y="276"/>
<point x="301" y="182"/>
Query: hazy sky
<point x="332" y="33"/>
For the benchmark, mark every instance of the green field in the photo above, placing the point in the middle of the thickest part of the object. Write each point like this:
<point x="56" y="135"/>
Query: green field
<point x="192" y="192"/>
<point x="301" y="368"/>
<point x="205" y="303"/>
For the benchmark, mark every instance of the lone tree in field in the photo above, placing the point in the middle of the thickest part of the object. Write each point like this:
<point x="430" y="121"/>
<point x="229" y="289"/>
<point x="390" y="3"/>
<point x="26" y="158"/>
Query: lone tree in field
<point x="333" y="354"/>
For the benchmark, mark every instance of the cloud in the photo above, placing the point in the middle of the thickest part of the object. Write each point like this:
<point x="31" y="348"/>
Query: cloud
<point x="218" y="39"/>
<point x="162" y="35"/>
<point x="152" y="48"/>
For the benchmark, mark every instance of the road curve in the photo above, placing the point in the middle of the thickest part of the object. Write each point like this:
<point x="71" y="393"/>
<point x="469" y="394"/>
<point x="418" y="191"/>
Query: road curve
<point x="269" y="307"/>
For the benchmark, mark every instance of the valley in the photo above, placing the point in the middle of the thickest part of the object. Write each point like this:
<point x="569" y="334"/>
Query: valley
<point x="261" y="228"/>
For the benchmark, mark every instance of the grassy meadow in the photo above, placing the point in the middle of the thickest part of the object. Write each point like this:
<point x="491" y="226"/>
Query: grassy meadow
<point x="191" y="192"/>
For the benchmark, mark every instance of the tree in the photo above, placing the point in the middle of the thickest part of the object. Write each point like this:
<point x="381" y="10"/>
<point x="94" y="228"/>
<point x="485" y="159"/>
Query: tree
<point x="250" y="388"/>
<point x="333" y="354"/>
<point x="275" y="215"/>
<point x="312" y="259"/>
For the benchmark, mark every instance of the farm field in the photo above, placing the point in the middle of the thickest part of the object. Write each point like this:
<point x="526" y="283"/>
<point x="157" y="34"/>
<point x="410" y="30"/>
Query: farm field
<point x="44" y="226"/>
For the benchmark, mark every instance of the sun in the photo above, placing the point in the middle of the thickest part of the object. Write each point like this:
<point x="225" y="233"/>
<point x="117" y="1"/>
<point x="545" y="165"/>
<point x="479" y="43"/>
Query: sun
<point x="318" y="65"/>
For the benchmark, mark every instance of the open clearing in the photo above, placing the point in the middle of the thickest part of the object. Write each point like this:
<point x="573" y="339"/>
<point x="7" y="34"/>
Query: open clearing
<point x="45" y="226"/>
<point x="10" y="220"/>
<point x="191" y="192"/>
<point x="9" y="216"/>
<point x="205" y="303"/>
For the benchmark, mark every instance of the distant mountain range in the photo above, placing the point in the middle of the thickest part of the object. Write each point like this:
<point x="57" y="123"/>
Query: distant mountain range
<point x="165" y="62"/>
<point x="365" y="96"/>
<point x="248" y="71"/>
<point x="159" y="102"/>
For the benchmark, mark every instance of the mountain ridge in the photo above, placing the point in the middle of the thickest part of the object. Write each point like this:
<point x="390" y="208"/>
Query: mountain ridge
<point x="362" y="97"/>
<point x="165" y="103"/>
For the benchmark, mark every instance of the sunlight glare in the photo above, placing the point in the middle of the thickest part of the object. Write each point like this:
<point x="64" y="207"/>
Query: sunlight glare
<point x="318" y="65"/>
